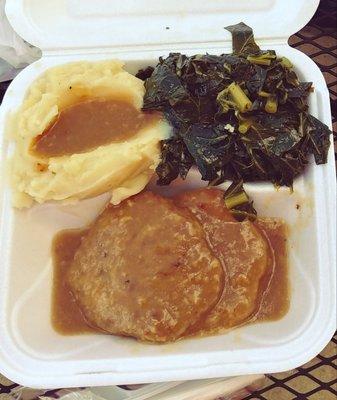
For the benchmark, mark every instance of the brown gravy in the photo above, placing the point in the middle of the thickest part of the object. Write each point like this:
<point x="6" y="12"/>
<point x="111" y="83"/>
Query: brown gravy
<point x="86" y="125"/>
<point x="275" y="299"/>
<point x="68" y="320"/>
<point x="66" y="316"/>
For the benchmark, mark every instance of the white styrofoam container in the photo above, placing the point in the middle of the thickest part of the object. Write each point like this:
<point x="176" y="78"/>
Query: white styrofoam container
<point x="31" y="352"/>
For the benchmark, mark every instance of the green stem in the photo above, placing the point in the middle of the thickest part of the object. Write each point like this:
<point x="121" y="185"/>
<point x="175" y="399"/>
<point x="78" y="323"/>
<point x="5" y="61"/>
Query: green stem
<point x="239" y="97"/>
<point x="236" y="200"/>
<point x="244" y="126"/>
<point x="271" y="105"/>
<point x="259" y="60"/>
<point x="286" y="63"/>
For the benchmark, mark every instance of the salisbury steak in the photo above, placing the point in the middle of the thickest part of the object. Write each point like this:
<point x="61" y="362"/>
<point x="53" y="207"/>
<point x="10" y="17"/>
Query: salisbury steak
<point x="243" y="252"/>
<point x="144" y="269"/>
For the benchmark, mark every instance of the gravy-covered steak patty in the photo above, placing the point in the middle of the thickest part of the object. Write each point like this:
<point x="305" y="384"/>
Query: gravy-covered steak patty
<point x="144" y="269"/>
<point x="243" y="252"/>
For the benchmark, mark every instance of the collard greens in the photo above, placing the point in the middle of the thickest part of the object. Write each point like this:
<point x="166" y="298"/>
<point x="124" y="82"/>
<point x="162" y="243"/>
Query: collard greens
<point x="240" y="116"/>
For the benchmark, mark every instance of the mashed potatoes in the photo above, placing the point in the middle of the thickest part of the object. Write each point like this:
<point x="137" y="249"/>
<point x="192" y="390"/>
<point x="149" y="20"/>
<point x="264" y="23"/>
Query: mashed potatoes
<point x="123" y="168"/>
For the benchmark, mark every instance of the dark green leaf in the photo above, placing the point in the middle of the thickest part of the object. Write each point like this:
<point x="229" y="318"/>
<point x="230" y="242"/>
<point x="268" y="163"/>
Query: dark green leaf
<point x="302" y="90"/>
<point x="243" y="39"/>
<point x="145" y="73"/>
<point x="175" y="161"/>
<point x="209" y="147"/>
<point x="237" y="200"/>
<point x="319" y="135"/>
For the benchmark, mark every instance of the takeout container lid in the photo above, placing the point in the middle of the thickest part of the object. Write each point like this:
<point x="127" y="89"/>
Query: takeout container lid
<point x="31" y="353"/>
<point x="58" y="25"/>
